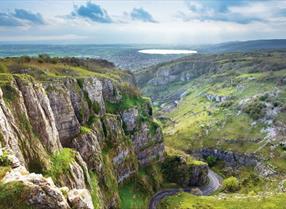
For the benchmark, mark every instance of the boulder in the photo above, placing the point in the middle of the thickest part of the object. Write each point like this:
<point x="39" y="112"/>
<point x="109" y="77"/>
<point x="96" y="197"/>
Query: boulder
<point x="43" y="194"/>
<point x="80" y="199"/>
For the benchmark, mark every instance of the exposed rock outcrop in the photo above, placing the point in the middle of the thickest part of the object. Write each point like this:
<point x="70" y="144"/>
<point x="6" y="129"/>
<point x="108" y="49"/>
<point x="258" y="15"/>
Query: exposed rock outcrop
<point x="198" y="175"/>
<point x="80" y="199"/>
<point x="39" y="109"/>
<point x="77" y="177"/>
<point x="93" y="87"/>
<point x="147" y="136"/>
<point x="41" y="193"/>
<point x="89" y="148"/>
<point x="104" y="123"/>
<point x="237" y="159"/>
<point x="66" y="120"/>
<point x="16" y="132"/>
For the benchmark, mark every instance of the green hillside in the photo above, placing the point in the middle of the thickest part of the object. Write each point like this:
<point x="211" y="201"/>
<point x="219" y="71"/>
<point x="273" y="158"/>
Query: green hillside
<point x="235" y="103"/>
<point x="188" y="201"/>
<point x="232" y="102"/>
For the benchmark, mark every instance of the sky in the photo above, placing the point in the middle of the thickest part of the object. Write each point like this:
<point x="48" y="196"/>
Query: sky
<point x="189" y="22"/>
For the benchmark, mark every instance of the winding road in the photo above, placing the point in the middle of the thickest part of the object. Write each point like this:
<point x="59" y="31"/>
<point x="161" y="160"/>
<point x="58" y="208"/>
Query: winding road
<point x="212" y="186"/>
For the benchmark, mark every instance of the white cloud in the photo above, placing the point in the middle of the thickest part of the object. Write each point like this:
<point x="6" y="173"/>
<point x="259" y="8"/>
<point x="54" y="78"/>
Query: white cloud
<point x="266" y="22"/>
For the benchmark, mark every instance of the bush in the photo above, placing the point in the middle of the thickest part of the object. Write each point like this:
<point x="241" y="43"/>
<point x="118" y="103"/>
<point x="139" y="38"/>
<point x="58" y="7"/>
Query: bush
<point x="153" y="126"/>
<point x="256" y="109"/>
<point x="211" y="160"/>
<point x="4" y="159"/>
<point x="231" y="184"/>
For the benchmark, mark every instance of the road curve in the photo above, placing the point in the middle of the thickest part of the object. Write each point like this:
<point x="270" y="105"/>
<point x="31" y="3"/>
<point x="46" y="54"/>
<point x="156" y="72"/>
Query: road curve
<point x="213" y="185"/>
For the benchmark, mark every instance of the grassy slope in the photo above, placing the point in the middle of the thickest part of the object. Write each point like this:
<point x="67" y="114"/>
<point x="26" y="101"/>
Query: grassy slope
<point x="203" y="123"/>
<point x="188" y="201"/>
<point x="50" y="68"/>
<point x="199" y="122"/>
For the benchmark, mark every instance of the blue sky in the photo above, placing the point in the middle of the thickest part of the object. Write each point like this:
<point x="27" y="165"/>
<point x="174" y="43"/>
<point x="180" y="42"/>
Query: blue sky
<point x="141" y="21"/>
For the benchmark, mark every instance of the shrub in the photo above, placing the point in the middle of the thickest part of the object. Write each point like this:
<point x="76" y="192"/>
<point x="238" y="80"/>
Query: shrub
<point x="9" y="93"/>
<point x="3" y="171"/>
<point x="226" y="104"/>
<point x="4" y="160"/>
<point x="126" y="102"/>
<point x="231" y="184"/>
<point x="256" y="109"/>
<point x="91" y="120"/>
<point x="263" y="97"/>
<point x="24" y="59"/>
<point x="211" y="160"/>
<point x="153" y="126"/>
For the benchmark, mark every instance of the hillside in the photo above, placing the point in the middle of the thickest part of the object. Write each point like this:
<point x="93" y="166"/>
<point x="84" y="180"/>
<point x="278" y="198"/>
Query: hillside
<point x="187" y="201"/>
<point x="228" y="109"/>
<point x="246" y="46"/>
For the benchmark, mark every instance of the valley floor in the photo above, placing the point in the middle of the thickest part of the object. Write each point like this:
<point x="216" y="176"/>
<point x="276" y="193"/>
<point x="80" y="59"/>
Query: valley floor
<point x="222" y="201"/>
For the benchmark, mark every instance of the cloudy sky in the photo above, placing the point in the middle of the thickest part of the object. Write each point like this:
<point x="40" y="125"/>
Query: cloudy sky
<point x="141" y="21"/>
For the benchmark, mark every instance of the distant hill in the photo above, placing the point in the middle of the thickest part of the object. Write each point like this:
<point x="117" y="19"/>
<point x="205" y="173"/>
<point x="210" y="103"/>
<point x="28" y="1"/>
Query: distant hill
<point x="245" y="46"/>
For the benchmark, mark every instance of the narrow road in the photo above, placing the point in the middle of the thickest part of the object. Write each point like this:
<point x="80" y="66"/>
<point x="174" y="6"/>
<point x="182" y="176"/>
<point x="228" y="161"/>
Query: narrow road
<point x="212" y="186"/>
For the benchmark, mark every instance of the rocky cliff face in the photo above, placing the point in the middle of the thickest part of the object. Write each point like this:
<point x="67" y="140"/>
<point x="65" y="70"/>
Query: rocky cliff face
<point x="75" y="130"/>
<point x="234" y="159"/>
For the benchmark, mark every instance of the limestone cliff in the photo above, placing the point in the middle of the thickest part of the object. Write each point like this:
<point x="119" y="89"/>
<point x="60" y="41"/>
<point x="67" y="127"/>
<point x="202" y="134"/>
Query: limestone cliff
<point x="88" y="131"/>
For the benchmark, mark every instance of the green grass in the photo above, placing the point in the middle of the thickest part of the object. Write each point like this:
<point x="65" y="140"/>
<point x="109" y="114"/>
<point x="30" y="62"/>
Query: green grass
<point x="110" y="188"/>
<point x="188" y="201"/>
<point x="126" y="102"/>
<point x="132" y="197"/>
<point x="3" y="171"/>
<point x="60" y="163"/>
<point x="199" y="122"/>
<point x="14" y="195"/>
<point x="85" y="130"/>
<point x="95" y="191"/>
